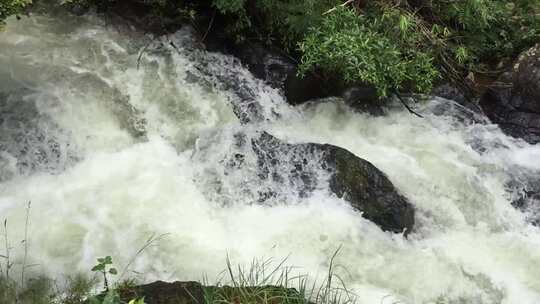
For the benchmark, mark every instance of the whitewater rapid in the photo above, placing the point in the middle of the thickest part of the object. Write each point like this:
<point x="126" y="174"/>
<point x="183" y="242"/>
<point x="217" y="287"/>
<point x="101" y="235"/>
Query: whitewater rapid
<point x="115" y="136"/>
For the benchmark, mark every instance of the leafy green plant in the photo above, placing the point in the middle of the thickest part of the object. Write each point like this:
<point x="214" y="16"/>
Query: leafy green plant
<point x="393" y="45"/>
<point x="11" y="7"/>
<point x="359" y="49"/>
<point x="104" y="267"/>
<point x="229" y="6"/>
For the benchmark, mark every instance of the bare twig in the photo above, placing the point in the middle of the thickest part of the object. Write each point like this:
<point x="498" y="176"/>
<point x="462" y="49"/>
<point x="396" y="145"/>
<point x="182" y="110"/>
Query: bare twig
<point x="406" y="105"/>
<point x="336" y="7"/>
<point x="209" y="27"/>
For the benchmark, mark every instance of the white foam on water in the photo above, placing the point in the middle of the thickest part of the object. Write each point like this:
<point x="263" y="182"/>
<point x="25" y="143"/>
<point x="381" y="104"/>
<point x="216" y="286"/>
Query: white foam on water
<point x="469" y="245"/>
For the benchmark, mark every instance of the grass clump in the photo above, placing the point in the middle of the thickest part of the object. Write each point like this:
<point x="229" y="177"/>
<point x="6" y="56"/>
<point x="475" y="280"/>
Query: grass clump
<point x="363" y="48"/>
<point x="36" y="291"/>
<point x="259" y="283"/>
<point x="262" y="283"/>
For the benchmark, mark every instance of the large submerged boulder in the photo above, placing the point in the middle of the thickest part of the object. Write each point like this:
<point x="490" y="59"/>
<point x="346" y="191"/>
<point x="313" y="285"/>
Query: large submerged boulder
<point x="368" y="190"/>
<point x="350" y="177"/>
<point x="160" y="292"/>
<point x="280" y="71"/>
<point x="513" y="102"/>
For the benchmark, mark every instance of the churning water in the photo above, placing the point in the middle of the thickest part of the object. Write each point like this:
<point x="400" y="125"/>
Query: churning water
<point x="114" y="136"/>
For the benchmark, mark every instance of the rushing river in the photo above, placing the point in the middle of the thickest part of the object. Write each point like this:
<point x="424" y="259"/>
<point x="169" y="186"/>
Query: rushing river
<point x="114" y="136"/>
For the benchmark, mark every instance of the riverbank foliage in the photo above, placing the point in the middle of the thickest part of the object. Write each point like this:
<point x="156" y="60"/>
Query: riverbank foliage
<point x="394" y="45"/>
<point x="11" y="7"/>
<point x="257" y="284"/>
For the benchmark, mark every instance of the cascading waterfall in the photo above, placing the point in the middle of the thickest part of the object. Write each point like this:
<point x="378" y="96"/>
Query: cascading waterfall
<point x="111" y="146"/>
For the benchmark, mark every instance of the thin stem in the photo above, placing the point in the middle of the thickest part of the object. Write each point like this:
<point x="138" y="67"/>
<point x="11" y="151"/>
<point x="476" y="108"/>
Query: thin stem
<point x="6" y="242"/>
<point x="105" y="280"/>
<point x="25" y="243"/>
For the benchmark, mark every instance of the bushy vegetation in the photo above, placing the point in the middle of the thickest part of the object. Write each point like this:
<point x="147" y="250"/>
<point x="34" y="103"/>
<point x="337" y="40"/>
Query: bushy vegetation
<point x="257" y="284"/>
<point x="262" y="282"/>
<point x="391" y="44"/>
<point x="11" y="7"/>
<point x="364" y="48"/>
<point x="394" y="45"/>
<point x="78" y="289"/>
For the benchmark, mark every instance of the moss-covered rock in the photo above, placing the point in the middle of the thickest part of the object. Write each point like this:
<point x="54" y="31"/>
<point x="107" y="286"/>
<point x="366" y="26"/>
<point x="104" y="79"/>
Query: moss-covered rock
<point x="160" y="292"/>
<point x="350" y="177"/>
<point x="368" y="190"/>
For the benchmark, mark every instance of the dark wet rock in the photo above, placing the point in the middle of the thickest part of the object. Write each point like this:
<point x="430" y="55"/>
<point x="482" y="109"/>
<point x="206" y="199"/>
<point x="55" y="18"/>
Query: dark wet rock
<point x="130" y="118"/>
<point x="77" y="9"/>
<point x="352" y="178"/>
<point x="227" y="73"/>
<point x="288" y="166"/>
<point x="368" y="190"/>
<point x="268" y="63"/>
<point x="160" y="292"/>
<point x="449" y="91"/>
<point x="364" y="99"/>
<point x="281" y="71"/>
<point x="229" y="77"/>
<point x="513" y="102"/>
<point x="525" y="193"/>
<point x="30" y="141"/>
<point x="263" y="169"/>
<point x="148" y="16"/>
<point x="271" y="66"/>
<point x="462" y="113"/>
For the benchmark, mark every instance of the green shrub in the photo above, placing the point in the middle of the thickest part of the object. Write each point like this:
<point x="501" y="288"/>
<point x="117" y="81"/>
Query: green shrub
<point x="394" y="45"/>
<point x="229" y="6"/>
<point x="11" y="7"/>
<point x="365" y="48"/>
<point x="487" y="29"/>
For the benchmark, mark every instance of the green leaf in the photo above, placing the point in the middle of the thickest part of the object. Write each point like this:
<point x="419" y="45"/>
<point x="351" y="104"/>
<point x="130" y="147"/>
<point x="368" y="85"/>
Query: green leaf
<point x="404" y="23"/>
<point x="94" y="300"/>
<point x="113" y="271"/>
<point x="99" y="267"/>
<point x="137" y="301"/>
